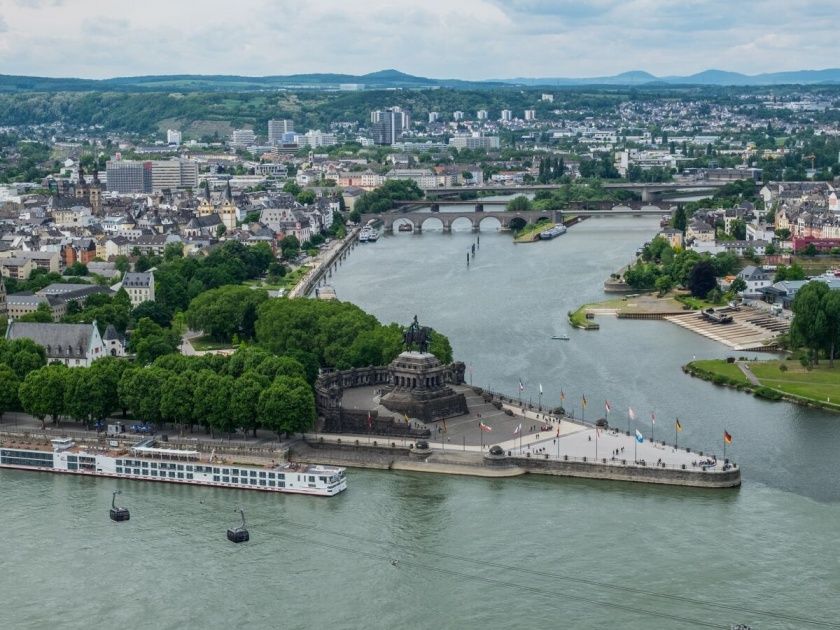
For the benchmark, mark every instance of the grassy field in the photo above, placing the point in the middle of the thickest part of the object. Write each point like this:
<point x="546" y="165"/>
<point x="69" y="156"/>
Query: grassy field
<point x="578" y="319"/>
<point x="819" y="385"/>
<point x="531" y="231"/>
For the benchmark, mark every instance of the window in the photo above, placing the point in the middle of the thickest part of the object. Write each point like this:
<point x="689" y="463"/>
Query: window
<point x="189" y="475"/>
<point x="235" y="472"/>
<point x="262" y="482"/>
<point x="225" y="479"/>
<point x="136" y="471"/>
<point x="215" y="477"/>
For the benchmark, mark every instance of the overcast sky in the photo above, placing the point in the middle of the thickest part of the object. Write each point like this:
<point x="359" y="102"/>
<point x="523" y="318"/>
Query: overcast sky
<point x="469" y="39"/>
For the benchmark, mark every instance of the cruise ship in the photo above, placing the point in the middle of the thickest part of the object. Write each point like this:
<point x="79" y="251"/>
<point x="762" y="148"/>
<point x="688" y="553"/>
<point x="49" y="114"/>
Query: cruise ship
<point x="368" y="235"/>
<point x="549" y="234"/>
<point x="148" y="462"/>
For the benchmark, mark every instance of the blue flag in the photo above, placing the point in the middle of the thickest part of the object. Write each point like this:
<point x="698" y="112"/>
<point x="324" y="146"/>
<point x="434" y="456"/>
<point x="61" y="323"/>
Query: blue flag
<point x="639" y="437"/>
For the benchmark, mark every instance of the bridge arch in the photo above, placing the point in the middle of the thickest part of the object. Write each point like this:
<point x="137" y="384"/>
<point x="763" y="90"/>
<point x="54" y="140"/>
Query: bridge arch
<point x="490" y="223"/>
<point x="517" y="223"/>
<point x="434" y="223"/>
<point x="461" y="223"/>
<point x="396" y="224"/>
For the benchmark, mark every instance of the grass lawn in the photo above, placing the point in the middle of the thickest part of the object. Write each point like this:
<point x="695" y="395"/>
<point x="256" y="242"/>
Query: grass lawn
<point x="696" y="303"/>
<point x="721" y="367"/>
<point x="819" y="383"/>
<point x="578" y="319"/>
<point x="204" y="343"/>
<point x="531" y="231"/>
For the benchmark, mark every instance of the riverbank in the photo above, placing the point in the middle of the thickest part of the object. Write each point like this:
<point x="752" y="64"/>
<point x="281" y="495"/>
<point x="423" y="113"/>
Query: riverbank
<point x="323" y="263"/>
<point x="774" y="380"/>
<point x="637" y="306"/>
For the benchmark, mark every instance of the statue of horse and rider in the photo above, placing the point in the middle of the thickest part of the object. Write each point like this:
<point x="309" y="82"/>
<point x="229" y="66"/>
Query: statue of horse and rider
<point x="417" y="336"/>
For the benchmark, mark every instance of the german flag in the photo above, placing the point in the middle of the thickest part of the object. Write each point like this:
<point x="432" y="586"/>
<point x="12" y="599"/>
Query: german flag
<point x="679" y="425"/>
<point x="727" y="438"/>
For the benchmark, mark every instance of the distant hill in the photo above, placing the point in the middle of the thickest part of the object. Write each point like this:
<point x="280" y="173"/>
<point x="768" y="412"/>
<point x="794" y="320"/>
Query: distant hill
<point x="392" y="79"/>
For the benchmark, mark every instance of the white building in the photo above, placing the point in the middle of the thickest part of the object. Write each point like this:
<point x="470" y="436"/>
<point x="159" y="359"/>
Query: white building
<point x="530" y="114"/>
<point x="173" y="136"/>
<point x="243" y="137"/>
<point x="474" y="141"/>
<point x="433" y="117"/>
<point x="459" y="115"/>
<point x="507" y="115"/>
<point x="277" y="129"/>
<point x="547" y="98"/>
<point x="481" y="114"/>
<point x="74" y="345"/>
<point x="316" y="139"/>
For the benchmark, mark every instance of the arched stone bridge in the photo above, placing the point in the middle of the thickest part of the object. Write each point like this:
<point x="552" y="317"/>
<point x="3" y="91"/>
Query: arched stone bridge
<point x="507" y="220"/>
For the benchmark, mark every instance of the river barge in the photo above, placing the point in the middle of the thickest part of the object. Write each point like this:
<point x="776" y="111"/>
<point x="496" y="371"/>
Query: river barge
<point x="147" y="462"/>
<point x="557" y="230"/>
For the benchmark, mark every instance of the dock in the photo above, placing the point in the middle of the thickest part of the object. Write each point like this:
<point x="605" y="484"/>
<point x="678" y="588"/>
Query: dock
<point x="751" y="329"/>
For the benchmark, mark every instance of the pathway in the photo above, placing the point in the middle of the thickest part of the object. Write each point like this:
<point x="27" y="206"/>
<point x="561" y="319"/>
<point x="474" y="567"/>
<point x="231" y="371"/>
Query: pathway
<point x="747" y="372"/>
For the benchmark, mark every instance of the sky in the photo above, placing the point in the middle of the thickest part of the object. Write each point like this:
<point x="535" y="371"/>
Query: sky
<point x="465" y="39"/>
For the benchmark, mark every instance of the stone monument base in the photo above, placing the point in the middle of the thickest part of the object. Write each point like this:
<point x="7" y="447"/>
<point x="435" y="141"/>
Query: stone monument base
<point x="418" y="389"/>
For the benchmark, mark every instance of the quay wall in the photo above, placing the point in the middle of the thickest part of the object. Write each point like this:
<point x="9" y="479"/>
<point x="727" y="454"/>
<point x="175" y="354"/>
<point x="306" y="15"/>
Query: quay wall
<point x="310" y="280"/>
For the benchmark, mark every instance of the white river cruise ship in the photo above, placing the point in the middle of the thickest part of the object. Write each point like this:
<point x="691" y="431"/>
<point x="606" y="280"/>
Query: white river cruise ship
<point x="147" y="462"/>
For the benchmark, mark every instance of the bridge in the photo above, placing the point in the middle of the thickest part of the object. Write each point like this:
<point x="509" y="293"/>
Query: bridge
<point x="507" y="220"/>
<point x="647" y="190"/>
<point x="479" y="205"/>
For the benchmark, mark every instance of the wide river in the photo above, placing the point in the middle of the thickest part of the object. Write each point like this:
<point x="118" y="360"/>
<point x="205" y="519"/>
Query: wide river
<point x="400" y="550"/>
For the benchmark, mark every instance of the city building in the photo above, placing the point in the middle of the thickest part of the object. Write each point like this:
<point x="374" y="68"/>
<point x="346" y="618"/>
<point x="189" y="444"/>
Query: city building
<point x="434" y="117"/>
<point x="280" y="130"/>
<point x="387" y="125"/>
<point x="474" y="141"/>
<point x="507" y="115"/>
<point x="547" y="98"/>
<point x="481" y="114"/>
<point x="140" y="286"/>
<point x="243" y="137"/>
<point x="459" y="115"/>
<point x="173" y="137"/>
<point x="74" y="345"/>
<point x="530" y="114"/>
<point x="129" y="176"/>
<point x="316" y="139"/>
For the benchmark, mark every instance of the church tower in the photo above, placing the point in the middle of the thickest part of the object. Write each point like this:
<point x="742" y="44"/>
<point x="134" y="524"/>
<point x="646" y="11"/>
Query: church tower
<point x="205" y="206"/>
<point x="227" y="211"/>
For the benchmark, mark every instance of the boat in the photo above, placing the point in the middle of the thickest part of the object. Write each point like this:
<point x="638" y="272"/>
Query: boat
<point x="368" y="235"/>
<point x="562" y="337"/>
<point x="557" y="230"/>
<point x="147" y="462"/>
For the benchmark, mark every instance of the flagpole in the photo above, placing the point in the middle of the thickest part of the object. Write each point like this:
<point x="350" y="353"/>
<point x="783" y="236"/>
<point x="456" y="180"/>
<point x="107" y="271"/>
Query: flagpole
<point x="676" y="436"/>
<point x="652" y="429"/>
<point x="596" y="444"/>
<point x="635" y="452"/>
<point x="724" y="447"/>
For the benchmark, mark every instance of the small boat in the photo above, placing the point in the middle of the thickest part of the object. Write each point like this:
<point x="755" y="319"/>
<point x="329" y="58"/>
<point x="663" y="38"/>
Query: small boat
<point x="561" y="337"/>
<point x="549" y="234"/>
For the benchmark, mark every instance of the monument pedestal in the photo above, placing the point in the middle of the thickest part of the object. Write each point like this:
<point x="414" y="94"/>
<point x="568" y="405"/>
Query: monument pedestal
<point x="419" y="389"/>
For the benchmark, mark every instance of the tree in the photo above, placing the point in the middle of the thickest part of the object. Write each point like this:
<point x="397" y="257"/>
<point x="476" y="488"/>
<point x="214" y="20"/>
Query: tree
<point x="42" y="392"/>
<point x="702" y="279"/>
<point x="85" y="399"/>
<point x="43" y="315"/>
<point x="810" y="323"/>
<point x="154" y="311"/>
<point x="149" y="341"/>
<point x="176" y="400"/>
<point x="287" y="406"/>
<point x="305" y="197"/>
<point x="794" y="272"/>
<point x="244" y="403"/>
<point x="679" y="220"/>
<point x="211" y="400"/>
<point x="663" y="284"/>
<point x="810" y="250"/>
<point x="831" y="308"/>
<point x="520" y="203"/>
<point x="122" y="263"/>
<point x="738" y="285"/>
<point x="22" y="355"/>
<point x="227" y="311"/>
<point x="292" y="188"/>
<point x="173" y="251"/>
<point x="140" y="391"/>
<point x="76" y="269"/>
<point x="9" y="385"/>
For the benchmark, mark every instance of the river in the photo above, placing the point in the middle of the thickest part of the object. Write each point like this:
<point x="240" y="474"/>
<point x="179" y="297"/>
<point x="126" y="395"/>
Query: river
<point x="470" y="553"/>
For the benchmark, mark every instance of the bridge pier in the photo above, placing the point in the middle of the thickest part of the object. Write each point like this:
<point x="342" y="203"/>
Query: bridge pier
<point x="435" y="207"/>
<point x="479" y="207"/>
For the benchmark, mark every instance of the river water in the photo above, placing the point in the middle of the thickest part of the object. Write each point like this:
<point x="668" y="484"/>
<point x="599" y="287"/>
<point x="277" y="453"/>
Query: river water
<point x="470" y="553"/>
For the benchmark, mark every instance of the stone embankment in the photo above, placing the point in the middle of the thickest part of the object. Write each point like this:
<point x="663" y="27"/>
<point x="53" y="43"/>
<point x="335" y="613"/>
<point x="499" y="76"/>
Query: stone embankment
<point x="324" y="264"/>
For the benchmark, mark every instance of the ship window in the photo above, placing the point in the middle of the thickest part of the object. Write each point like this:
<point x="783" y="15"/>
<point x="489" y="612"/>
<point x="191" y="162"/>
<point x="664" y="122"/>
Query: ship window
<point x="262" y="475"/>
<point x="234" y="471"/>
<point x="253" y="473"/>
<point x="215" y="477"/>
<point x="180" y="475"/>
<point x="189" y="468"/>
<point x="253" y="482"/>
<point x="119" y="469"/>
<point x="154" y="473"/>
<point x="136" y="471"/>
<point x="311" y="478"/>
<point x="180" y="467"/>
<point x="145" y="464"/>
<point x="225" y="479"/>
<point x="281" y="476"/>
<point x="271" y="475"/>
<point x="172" y="475"/>
<point x="189" y="475"/>
<point x="271" y="483"/>
<point x="72" y="466"/>
<point x="72" y="458"/>
<point x="262" y="482"/>
<point x="281" y="484"/>
<point x="226" y="471"/>
<point x="234" y="479"/>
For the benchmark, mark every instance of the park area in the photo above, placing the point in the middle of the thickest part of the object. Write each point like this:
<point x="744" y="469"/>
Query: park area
<point x="775" y="379"/>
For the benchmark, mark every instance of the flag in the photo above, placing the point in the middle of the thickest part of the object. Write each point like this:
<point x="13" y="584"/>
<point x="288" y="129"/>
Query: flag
<point x="607" y="407"/>
<point x="652" y="418"/>
<point x="405" y="415"/>
<point x="370" y="421"/>
<point x="558" y="429"/>
<point x="678" y="425"/>
<point x="639" y="437"/>
<point x="521" y="386"/>
<point x="484" y="427"/>
<point x="727" y="438"/>
<point x="540" y="389"/>
<point x="562" y="395"/>
<point x="583" y="401"/>
<point x="518" y="429"/>
<point x="444" y="426"/>
<point x="631" y="413"/>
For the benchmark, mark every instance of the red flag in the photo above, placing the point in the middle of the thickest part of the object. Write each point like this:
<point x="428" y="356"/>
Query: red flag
<point x="727" y="438"/>
<point x="484" y="427"/>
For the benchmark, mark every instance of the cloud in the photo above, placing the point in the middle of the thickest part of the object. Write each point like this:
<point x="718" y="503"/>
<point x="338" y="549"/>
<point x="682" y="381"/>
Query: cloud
<point x="441" y="38"/>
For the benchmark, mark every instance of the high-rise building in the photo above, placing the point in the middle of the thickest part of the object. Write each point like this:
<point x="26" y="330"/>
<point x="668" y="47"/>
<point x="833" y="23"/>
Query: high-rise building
<point x="507" y="115"/>
<point x="474" y="141"/>
<point x="279" y="128"/>
<point x="387" y="125"/>
<point x="128" y="176"/>
<point x="433" y="117"/>
<point x="459" y="115"/>
<point x="243" y="137"/>
<point x="481" y="114"/>
<point x="316" y="139"/>
<point x="530" y="114"/>
<point x="173" y="136"/>
<point x="547" y="98"/>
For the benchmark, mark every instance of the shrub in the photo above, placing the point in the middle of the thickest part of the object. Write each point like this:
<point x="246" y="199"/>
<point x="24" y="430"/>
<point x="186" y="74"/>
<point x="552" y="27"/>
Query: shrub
<point x="730" y="359"/>
<point x="783" y="368"/>
<point x="769" y="394"/>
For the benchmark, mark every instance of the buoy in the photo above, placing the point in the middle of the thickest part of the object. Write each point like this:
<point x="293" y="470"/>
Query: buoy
<point x="238" y="534"/>
<point x="118" y="513"/>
